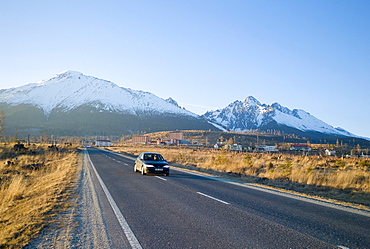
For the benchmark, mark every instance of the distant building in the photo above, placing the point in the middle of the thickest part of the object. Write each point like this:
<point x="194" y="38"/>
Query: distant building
<point x="154" y="142"/>
<point x="300" y="147"/>
<point x="184" y="142"/>
<point x="173" y="141"/>
<point x="166" y="141"/>
<point x="330" y="152"/>
<point x="233" y="147"/>
<point x="136" y="139"/>
<point x="178" y="135"/>
<point x="103" y="143"/>
<point x="267" y="148"/>
<point x="364" y="156"/>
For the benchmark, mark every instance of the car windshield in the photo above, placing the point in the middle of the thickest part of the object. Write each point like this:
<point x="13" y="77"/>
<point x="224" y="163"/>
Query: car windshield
<point x="153" y="157"/>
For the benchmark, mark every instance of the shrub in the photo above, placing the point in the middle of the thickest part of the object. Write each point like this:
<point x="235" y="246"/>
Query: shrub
<point x="270" y="165"/>
<point x="364" y="163"/>
<point x="248" y="160"/>
<point x="340" y="163"/>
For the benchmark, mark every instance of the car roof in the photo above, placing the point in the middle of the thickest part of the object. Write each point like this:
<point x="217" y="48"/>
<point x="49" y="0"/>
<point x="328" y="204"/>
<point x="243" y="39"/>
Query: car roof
<point x="148" y="155"/>
<point x="151" y="153"/>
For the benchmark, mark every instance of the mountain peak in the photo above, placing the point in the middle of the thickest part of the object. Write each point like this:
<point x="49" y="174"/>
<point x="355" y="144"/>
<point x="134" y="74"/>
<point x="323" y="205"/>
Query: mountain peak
<point x="66" y="74"/>
<point x="172" y="101"/>
<point x="250" y="100"/>
<point x="70" y="72"/>
<point x="61" y="76"/>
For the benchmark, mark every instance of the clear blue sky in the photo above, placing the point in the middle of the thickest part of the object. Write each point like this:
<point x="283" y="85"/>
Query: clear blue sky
<point x="306" y="54"/>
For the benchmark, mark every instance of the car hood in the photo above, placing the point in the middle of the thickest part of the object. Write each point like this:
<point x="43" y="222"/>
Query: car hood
<point x="156" y="163"/>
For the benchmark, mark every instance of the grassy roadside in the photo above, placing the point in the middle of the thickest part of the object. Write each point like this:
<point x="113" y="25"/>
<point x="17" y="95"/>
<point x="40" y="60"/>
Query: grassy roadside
<point x="343" y="181"/>
<point x="34" y="186"/>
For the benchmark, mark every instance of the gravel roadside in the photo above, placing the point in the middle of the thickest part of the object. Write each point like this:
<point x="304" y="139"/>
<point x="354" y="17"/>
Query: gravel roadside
<point x="82" y="225"/>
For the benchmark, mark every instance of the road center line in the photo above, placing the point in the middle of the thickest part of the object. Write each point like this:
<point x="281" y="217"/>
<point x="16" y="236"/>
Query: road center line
<point x="161" y="178"/>
<point x="213" y="198"/>
<point x="122" y="221"/>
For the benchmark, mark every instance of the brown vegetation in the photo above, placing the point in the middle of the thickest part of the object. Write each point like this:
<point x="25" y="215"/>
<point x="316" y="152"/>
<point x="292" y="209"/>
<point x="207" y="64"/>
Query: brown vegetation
<point x="346" y="179"/>
<point x="35" y="183"/>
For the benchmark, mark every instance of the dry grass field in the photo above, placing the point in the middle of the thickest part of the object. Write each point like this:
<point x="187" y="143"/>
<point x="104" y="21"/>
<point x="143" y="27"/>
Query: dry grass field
<point x="346" y="179"/>
<point x="35" y="184"/>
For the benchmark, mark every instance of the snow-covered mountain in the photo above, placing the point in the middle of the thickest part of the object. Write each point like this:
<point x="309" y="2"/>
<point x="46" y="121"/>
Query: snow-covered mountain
<point x="71" y="89"/>
<point x="71" y="103"/>
<point x="251" y="114"/>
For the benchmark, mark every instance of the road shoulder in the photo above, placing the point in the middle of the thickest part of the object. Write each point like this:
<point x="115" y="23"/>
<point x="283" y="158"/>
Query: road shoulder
<point x="82" y="225"/>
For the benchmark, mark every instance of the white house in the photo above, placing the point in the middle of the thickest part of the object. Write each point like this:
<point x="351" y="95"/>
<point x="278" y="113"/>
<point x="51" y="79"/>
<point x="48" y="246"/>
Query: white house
<point x="267" y="148"/>
<point x="103" y="143"/>
<point x="330" y="152"/>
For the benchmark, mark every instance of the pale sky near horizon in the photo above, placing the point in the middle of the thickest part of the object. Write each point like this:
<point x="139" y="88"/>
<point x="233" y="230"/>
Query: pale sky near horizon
<point x="205" y="54"/>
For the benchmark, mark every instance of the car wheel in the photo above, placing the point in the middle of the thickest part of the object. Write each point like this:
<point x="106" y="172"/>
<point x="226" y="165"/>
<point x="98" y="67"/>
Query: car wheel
<point x="167" y="174"/>
<point x="142" y="171"/>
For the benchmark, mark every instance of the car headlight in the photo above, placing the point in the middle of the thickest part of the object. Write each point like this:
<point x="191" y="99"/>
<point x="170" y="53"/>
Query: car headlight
<point x="148" y="166"/>
<point x="167" y="166"/>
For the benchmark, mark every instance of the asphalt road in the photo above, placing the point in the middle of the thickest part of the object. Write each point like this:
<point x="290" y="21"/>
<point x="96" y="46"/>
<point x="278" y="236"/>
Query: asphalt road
<point x="190" y="211"/>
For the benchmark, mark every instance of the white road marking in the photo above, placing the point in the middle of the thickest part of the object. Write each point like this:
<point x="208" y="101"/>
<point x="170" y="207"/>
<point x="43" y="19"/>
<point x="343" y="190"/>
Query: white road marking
<point x="122" y="221"/>
<point x="213" y="198"/>
<point x="161" y="178"/>
<point x="277" y="192"/>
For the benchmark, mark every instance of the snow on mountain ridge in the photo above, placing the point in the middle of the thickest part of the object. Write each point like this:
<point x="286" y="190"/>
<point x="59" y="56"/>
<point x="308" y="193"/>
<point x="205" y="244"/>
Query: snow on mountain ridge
<point x="251" y="114"/>
<point x="70" y="89"/>
<point x="60" y="76"/>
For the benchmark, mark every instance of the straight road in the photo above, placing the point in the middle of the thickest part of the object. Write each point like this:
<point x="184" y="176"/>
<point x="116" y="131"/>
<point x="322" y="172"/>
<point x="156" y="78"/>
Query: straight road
<point x="190" y="211"/>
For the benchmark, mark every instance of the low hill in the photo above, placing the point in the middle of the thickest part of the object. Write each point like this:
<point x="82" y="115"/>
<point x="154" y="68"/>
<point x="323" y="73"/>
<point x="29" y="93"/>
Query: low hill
<point x="252" y="139"/>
